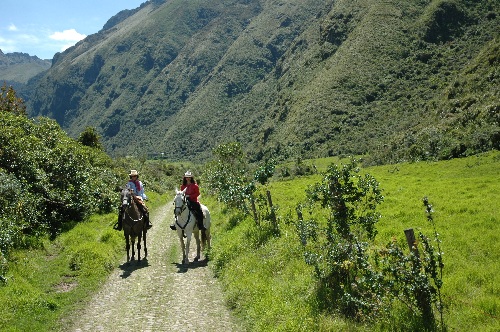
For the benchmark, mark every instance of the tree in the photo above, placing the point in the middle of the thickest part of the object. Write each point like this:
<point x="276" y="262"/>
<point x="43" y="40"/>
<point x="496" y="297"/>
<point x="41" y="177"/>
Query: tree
<point x="9" y="102"/>
<point x="227" y="176"/>
<point x="90" y="137"/>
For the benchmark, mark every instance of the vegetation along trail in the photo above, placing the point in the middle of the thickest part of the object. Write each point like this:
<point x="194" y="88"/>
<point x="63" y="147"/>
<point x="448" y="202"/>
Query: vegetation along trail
<point x="158" y="294"/>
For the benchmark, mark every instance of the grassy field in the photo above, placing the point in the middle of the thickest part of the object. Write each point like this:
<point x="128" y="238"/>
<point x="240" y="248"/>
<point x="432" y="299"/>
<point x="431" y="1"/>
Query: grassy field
<point x="267" y="281"/>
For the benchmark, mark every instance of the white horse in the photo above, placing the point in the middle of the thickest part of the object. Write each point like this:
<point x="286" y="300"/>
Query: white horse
<point x="186" y="225"/>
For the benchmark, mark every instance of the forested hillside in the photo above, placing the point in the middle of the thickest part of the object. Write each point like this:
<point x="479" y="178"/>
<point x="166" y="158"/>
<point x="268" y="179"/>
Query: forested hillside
<point x="398" y="80"/>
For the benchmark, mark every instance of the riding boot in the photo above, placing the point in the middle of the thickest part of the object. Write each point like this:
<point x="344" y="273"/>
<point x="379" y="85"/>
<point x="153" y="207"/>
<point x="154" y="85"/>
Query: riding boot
<point x="201" y="227"/>
<point x="118" y="225"/>
<point x="147" y="221"/>
<point x="172" y="227"/>
<point x="199" y="218"/>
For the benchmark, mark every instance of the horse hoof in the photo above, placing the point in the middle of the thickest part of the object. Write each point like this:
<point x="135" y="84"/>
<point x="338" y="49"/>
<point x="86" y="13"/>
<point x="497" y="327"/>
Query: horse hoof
<point x="197" y="259"/>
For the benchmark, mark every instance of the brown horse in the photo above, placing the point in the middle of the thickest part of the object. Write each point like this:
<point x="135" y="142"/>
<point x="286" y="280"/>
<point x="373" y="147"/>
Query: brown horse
<point x="133" y="224"/>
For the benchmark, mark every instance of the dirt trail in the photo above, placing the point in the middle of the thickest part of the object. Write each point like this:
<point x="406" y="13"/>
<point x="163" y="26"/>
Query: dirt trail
<point x="159" y="294"/>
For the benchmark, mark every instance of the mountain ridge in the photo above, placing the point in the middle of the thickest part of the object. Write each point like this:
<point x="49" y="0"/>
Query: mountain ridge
<point x="288" y="78"/>
<point x="17" y="68"/>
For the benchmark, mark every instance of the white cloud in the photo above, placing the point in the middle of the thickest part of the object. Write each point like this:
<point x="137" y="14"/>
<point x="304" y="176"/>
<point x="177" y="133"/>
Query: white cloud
<point x="7" y="45"/>
<point x="26" y="38"/>
<point x="67" y="35"/>
<point x="12" y="27"/>
<point x="7" y="48"/>
<point x="65" y="47"/>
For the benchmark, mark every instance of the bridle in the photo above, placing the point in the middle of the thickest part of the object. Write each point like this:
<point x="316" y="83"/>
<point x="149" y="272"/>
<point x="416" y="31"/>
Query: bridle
<point x="128" y="198"/>
<point x="178" y="209"/>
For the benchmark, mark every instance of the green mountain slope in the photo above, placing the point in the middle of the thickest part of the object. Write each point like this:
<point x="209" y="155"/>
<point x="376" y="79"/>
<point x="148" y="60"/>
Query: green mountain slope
<point x="17" y="68"/>
<point x="395" y="79"/>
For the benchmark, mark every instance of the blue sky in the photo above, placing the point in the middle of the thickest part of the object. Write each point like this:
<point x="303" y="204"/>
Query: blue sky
<point x="43" y="28"/>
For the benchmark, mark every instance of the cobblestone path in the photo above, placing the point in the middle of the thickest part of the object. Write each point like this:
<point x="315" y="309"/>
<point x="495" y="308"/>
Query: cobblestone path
<point x="158" y="293"/>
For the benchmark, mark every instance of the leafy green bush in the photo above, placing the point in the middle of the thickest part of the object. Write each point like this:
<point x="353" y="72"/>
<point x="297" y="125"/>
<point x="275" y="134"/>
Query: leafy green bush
<point x="50" y="179"/>
<point x="66" y="181"/>
<point x="337" y="249"/>
<point x="355" y="278"/>
<point x="227" y="176"/>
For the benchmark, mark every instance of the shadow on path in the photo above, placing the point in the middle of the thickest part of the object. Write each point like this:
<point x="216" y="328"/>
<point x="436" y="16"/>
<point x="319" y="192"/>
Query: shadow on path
<point x="183" y="268"/>
<point x="129" y="267"/>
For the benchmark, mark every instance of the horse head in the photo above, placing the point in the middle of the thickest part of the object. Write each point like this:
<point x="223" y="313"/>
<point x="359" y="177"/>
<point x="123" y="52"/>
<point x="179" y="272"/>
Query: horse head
<point x="179" y="202"/>
<point x="126" y="197"/>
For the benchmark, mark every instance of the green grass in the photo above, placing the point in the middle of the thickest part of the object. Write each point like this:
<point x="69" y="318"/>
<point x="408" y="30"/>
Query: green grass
<point x="264" y="276"/>
<point x="268" y="283"/>
<point x="47" y="284"/>
<point x="465" y="195"/>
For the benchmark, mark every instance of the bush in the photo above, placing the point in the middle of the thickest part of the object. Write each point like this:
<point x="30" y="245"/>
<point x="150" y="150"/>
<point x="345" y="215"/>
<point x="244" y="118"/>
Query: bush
<point x="338" y="248"/>
<point x="49" y="179"/>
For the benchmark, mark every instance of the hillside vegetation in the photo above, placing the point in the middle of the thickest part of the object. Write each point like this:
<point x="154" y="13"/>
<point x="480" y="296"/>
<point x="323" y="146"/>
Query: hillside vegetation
<point x="398" y="80"/>
<point x="295" y="250"/>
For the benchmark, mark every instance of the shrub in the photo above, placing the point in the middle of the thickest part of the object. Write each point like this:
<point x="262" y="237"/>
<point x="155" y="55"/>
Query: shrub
<point x="337" y="248"/>
<point x="49" y="179"/>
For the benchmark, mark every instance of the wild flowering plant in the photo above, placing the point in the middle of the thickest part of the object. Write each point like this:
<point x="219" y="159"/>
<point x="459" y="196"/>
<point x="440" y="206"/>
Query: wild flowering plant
<point x="356" y="279"/>
<point x="338" y="247"/>
<point x="415" y="279"/>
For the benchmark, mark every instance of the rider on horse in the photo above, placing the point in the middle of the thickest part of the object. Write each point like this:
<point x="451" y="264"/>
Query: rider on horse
<point x="136" y="186"/>
<point x="192" y="192"/>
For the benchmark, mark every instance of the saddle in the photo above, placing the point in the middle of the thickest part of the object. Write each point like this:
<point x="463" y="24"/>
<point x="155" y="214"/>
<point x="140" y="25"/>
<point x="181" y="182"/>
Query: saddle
<point x="138" y="200"/>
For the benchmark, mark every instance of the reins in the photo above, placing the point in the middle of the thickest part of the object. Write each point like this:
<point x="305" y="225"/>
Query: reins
<point x="183" y="208"/>
<point x="135" y="221"/>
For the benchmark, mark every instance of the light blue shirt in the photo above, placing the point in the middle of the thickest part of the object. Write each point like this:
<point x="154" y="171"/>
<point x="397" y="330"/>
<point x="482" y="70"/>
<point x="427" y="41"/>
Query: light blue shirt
<point x="140" y="193"/>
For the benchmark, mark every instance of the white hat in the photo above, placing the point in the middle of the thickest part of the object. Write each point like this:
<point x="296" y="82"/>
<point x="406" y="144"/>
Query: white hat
<point x="133" y="173"/>
<point x="188" y="174"/>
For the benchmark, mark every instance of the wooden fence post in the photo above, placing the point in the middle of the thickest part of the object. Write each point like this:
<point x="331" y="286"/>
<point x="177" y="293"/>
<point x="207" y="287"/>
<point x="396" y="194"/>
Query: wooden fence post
<point x="254" y="210"/>
<point x="270" y="201"/>
<point x="410" y="239"/>
<point x="299" y="213"/>
<point x="423" y="297"/>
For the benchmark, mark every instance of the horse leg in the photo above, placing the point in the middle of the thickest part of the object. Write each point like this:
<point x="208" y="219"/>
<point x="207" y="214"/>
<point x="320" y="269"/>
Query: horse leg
<point x="183" y="248"/>
<point x="139" y="238"/>
<point x="204" y="239"/>
<point x="127" y="247"/>
<point x="208" y="237"/>
<point x="198" y="249"/>
<point x="188" y="243"/>
<point x="144" y="232"/>
<point x="133" y="248"/>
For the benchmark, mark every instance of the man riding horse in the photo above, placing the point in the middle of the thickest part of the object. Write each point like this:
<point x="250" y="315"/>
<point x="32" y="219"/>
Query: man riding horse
<point x="136" y="186"/>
